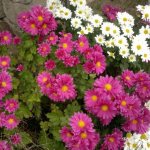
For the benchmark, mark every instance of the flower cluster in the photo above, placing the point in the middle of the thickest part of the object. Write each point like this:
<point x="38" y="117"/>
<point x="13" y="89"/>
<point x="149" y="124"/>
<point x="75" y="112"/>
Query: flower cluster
<point x="81" y="135"/>
<point x="110" y="98"/>
<point x="59" y="88"/>
<point x="37" y="21"/>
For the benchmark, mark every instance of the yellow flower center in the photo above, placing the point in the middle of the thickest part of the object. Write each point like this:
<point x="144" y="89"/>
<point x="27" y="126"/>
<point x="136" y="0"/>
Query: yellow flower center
<point x="94" y="98"/>
<point x="51" y="38"/>
<point x="40" y="18"/>
<point x="134" y="121"/>
<point x="128" y="78"/>
<point x="69" y="134"/>
<point x="48" y="85"/>
<point x="81" y="44"/>
<point x="4" y="84"/>
<point x="123" y="103"/>
<point x="139" y="47"/>
<point x="107" y="28"/>
<point x="143" y="136"/>
<point x="11" y="121"/>
<point x="44" y="79"/>
<point x="83" y="135"/>
<point x="81" y="124"/>
<point x="128" y="135"/>
<point x="98" y="64"/>
<point x="64" y="88"/>
<point x="124" y="19"/>
<point x="134" y="145"/>
<point x="44" y="26"/>
<point x="32" y="25"/>
<point x="111" y="139"/>
<point x="104" y="108"/>
<point x="5" y="38"/>
<point x="4" y="63"/>
<point x="108" y="87"/>
<point x="11" y="105"/>
<point x="146" y="15"/>
<point x="145" y="31"/>
<point x="65" y="45"/>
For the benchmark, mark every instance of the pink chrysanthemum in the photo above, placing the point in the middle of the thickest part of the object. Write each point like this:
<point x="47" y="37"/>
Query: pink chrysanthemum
<point x="66" y="44"/>
<point x="82" y="44"/>
<point x="50" y="64"/>
<point x="105" y="110"/>
<point x="20" y="68"/>
<point x="5" y="38"/>
<point x="5" y="84"/>
<point x="71" y="61"/>
<point x="4" y="145"/>
<point x="4" y="62"/>
<point x="44" y="49"/>
<point x="129" y="106"/>
<point x="16" y="138"/>
<point x="11" y="122"/>
<point x="97" y="64"/>
<point x="113" y="141"/>
<point x="11" y="105"/>
<point x="52" y="38"/>
<point x="88" y="53"/>
<point x="66" y="35"/>
<point x="109" y="85"/>
<point x="65" y="87"/>
<point x="128" y="78"/>
<point x="81" y="122"/>
<point x="61" y="54"/>
<point x="2" y="119"/>
<point x="16" y="40"/>
<point x="142" y="76"/>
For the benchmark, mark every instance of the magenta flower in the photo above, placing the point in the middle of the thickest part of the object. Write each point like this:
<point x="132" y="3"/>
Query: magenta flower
<point x="61" y="54"/>
<point x="66" y="35"/>
<point x="4" y="62"/>
<point x="71" y="61"/>
<point x="11" y="122"/>
<point x="2" y="119"/>
<point x="50" y="64"/>
<point x="11" y="105"/>
<point x="82" y="44"/>
<point x="44" y="49"/>
<point x="5" y="83"/>
<point x="16" y="40"/>
<point x="5" y="38"/>
<point x="16" y="138"/>
<point x="4" y="145"/>
<point x="52" y="38"/>
<point x="20" y="68"/>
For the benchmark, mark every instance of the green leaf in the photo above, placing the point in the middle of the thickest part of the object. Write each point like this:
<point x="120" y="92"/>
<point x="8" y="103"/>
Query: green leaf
<point x="26" y="138"/>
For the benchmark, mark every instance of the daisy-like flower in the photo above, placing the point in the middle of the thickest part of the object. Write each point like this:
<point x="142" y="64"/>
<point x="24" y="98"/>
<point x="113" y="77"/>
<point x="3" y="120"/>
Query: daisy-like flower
<point x="82" y="44"/>
<point x="110" y="43"/>
<point x="108" y="85"/>
<point x="4" y="145"/>
<point x="121" y="41"/>
<point x="146" y="14"/>
<point x="124" y="52"/>
<point x="96" y="20"/>
<point x="5" y="84"/>
<point x="81" y="3"/>
<point x="20" y="68"/>
<point x="83" y="31"/>
<point x="132" y="58"/>
<point x="44" y="49"/>
<point x="64" y="13"/>
<point x="50" y="64"/>
<point x="113" y="141"/>
<point x="127" y="31"/>
<point x="73" y="2"/>
<point x="11" y="121"/>
<point x="145" y="31"/>
<point x="4" y="62"/>
<point x="111" y="54"/>
<point x="88" y="12"/>
<point x="52" y="38"/>
<point x="11" y="105"/>
<point x="5" y="38"/>
<point x="65" y="87"/>
<point x="128" y="78"/>
<point x="79" y="12"/>
<point x="81" y="122"/>
<point x="146" y="56"/>
<point x="125" y="19"/>
<point x="100" y="39"/>
<point x="61" y="54"/>
<point x="76" y="22"/>
<point x="139" y="45"/>
<point x="16" y="138"/>
<point x="71" y="61"/>
<point x="89" y="28"/>
<point x="106" y="28"/>
<point x="115" y="31"/>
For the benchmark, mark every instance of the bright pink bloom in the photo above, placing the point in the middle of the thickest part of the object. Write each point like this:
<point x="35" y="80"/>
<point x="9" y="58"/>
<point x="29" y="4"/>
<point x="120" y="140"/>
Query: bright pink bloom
<point x="142" y="76"/>
<point x="52" y="38"/>
<point x="44" y="49"/>
<point x="20" y="68"/>
<point x="81" y="122"/>
<point x="5" y="38"/>
<point x="2" y="119"/>
<point x="61" y="54"/>
<point x="113" y="141"/>
<point x="5" y="84"/>
<point x="16" y="40"/>
<point x="4" y="145"/>
<point x="128" y="78"/>
<point x="82" y="44"/>
<point x="11" y="122"/>
<point x="66" y="35"/>
<point x="16" y="138"/>
<point x="50" y="64"/>
<point x="11" y="105"/>
<point x="71" y="61"/>
<point x="109" y="85"/>
<point x="4" y="62"/>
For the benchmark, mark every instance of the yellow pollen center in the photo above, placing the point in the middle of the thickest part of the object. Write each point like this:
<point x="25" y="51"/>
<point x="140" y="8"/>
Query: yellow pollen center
<point x="64" y="88"/>
<point x="145" y="31"/>
<point x="11" y="121"/>
<point x="108" y="87"/>
<point x="143" y="136"/>
<point x="124" y="19"/>
<point x="107" y="28"/>
<point x="128" y="78"/>
<point x="146" y="15"/>
<point x="51" y="38"/>
<point x="11" y="105"/>
<point x="111" y="139"/>
<point x="48" y="85"/>
<point x="4" y="84"/>
<point x="65" y="35"/>
<point x="32" y="25"/>
<point x="145" y="55"/>
<point x="128" y="135"/>
<point x="81" y="44"/>
<point x="44" y="79"/>
<point x="134" y="121"/>
<point x="40" y="18"/>
<point x="98" y="64"/>
<point x="81" y="124"/>
<point x="123" y="103"/>
<point x="4" y="63"/>
<point x="5" y="38"/>
<point x="65" y="45"/>
<point x="83" y="135"/>
<point x="94" y="98"/>
<point x="44" y="26"/>
<point x="69" y="134"/>
<point x="104" y="108"/>
<point x="144" y="88"/>
<point x="134" y="145"/>
<point x="139" y="47"/>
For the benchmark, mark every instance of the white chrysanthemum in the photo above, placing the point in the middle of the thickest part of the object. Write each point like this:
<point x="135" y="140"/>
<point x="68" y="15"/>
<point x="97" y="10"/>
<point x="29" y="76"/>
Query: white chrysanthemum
<point x="125" y="19"/>
<point x="115" y="31"/>
<point x="139" y="45"/>
<point x="146" y="56"/>
<point x="121" y="41"/>
<point x="146" y="14"/>
<point x="127" y="31"/>
<point x="110" y="43"/>
<point x="145" y="31"/>
<point x="140" y="8"/>
<point x="83" y="31"/>
<point x="100" y="39"/>
<point x="81" y="3"/>
<point x="132" y="58"/>
<point x="106" y="28"/>
<point x="76" y="23"/>
<point x="88" y="12"/>
<point x="79" y="12"/>
<point x="73" y="2"/>
<point x="96" y="20"/>
<point x="89" y="28"/>
<point x="111" y="54"/>
<point x="124" y="52"/>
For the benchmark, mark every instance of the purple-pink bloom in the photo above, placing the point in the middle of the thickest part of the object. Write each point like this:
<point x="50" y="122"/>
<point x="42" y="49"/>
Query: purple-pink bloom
<point x="4" y="62"/>
<point x="5" y="38"/>
<point x="4" y="145"/>
<point x="16" y="138"/>
<point x="50" y="64"/>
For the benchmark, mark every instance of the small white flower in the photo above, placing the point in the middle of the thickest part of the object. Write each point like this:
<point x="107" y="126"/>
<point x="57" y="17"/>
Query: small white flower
<point x="121" y="41"/>
<point x="115" y="31"/>
<point x="146" y="56"/>
<point x="88" y="12"/>
<point x="106" y="28"/>
<point x="83" y="31"/>
<point x="111" y="54"/>
<point x="79" y="12"/>
<point x="81" y="3"/>
<point x="96" y="20"/>
<point x="145" y="31"/>
<point x="124" y="52"/>
<point x="146" y="14"/>
<point x="100" y="39"/>
<point x="76" y="23"/>
<point x="110" y="43"/>
<point x="73" y="2"/>
<point x="132" y="58"/>
<point x="127" y="31"/>
<point x="89" y="28"/>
